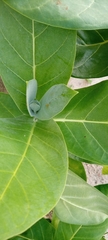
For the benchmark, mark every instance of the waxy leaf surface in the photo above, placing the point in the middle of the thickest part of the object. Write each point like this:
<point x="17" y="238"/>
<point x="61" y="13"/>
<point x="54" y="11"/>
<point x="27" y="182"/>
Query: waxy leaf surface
<point x="81" y="204"/>
<point x="54" y="101"/>
<point x="42" y="230"/>
<point x="84" y="123"/>
<point x="30" y="50"/>
<point x="103" y="188"/>
<point x="91" y="54"/>
<point x="81" y="14"/>
<point x="79" y="232"/>
<point x="33" y="169"/>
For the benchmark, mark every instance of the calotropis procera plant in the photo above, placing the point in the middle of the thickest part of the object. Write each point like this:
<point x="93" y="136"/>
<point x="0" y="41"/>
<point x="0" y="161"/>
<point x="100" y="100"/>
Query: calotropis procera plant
<point x="47" y="129"/>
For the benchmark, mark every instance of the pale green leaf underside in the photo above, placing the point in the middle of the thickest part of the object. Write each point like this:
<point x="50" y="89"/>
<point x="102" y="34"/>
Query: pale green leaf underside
<point x="71" y="14"/>
<point x="54" y="101"/>
<point x="33" y="162"/>
<point x="84" y="123"/>
<point x="30" y="50"/>
<point x="79" y="232"/>
<point x="81" y="203"/>
<point x="31" y="92"/>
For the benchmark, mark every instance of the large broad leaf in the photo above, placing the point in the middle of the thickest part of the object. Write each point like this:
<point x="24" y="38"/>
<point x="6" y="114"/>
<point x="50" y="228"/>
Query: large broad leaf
<point x="79" y="232"/>
<point x="84" y="123"/>
<point x="30" y="50"/>
<point x="81" y="14"/>
<point x="91" y="55"/>
<point x="42" y="230"/>
<point x="81" y="203"/>
<point x="33" y="169"/>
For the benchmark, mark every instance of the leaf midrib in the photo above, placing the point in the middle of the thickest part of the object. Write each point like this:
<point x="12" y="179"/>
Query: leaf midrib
<point x="79" y="121"/>
<point x="33" y="41"/>
<point x="66" y="201"/>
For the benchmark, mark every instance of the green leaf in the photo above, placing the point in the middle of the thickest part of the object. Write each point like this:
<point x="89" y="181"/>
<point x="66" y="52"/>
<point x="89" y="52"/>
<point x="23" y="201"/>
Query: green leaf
<point x="84" y="124"/>
<point x="31" y="91"/>
<point x="78" y="232"/>
<point x="105" y="170"/>
<point x="74" y="14"/>
<point x="54" y="101"/>
<point x="91" y="54"/>
<point x="8" y="108"/>
<point x="33" y="170"/>
<point x="77" y="167"/>
<point x="30" y="50"/>
<point x="103" y="188"/>
<point x="81" y="204"/>
<point x="42" y="230"/>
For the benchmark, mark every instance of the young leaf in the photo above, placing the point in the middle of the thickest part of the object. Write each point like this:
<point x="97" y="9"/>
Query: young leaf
<point x="81" y="204"/>
<point x="54" y="101"/>
<point x="33" y="105"/>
